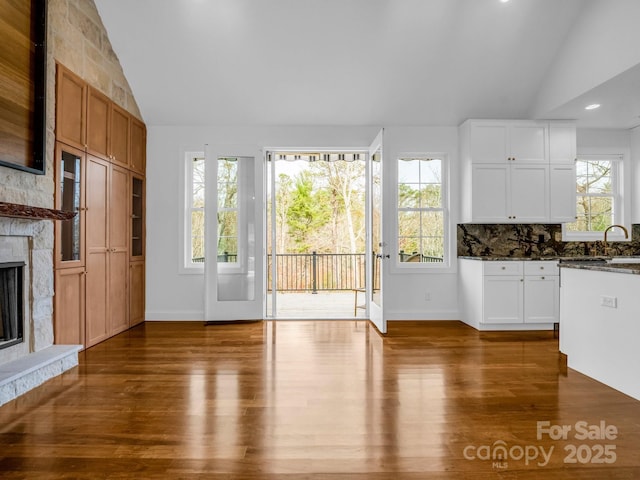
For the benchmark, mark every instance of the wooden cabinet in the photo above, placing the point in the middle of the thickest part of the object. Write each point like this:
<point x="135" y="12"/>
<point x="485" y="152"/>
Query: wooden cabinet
<point x="506" y="141"/>
<point x="562" y="193"/>
<point x="98" y="123"/>
<point x="542" y="294"/>
<point x="510" y="193"/>
<point x="509" y="295"/>
<point x="107" y="250"/>
<point x="136" y="293"/>
<point x="70" y="197"/>
<point x="99" y="255"/>
<point x="138" y="146"/>
<point x="517" y="171"/>
<point x="562" y="143"/>
<point x="119" y="132"/>
<point x="71" y="99"/>
<point x="69" y="306"/>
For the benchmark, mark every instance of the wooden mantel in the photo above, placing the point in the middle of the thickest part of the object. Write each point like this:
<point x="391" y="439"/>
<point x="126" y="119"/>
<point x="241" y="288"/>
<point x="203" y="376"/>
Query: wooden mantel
<point x="15" y="210"/>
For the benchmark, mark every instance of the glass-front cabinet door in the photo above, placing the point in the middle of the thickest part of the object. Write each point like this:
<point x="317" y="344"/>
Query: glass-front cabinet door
<point x="137" y="218"/>
<point x="69" y="234"/>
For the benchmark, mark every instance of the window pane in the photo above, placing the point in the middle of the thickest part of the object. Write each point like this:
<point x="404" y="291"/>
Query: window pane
<point x="409" y="224"/>
<point x="430" y="196"/>
<point x="408" y="171"/>
<point x="432" y="249"/>
<point x="430" y="171"/>
<point x="409" y="248"/>
<point x="227" y="195"/>
<point x="432" y="224"/>
<point x="408" y="195"/>
<point x="198" y="182"/>
<point x="197" y="235"/>
<point x="227" y="249"/>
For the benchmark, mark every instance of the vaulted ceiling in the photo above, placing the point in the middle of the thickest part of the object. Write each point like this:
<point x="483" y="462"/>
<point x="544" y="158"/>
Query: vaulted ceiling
<point x="353" y="62"/>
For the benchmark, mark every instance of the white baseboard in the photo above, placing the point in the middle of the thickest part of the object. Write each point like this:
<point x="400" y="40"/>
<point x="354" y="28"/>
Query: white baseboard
<point x="177" y="316"/>
<point x="427" y="316"/>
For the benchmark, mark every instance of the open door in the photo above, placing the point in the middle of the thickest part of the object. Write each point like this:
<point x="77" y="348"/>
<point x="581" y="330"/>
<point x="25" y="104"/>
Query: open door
<point x="376" y="244"/>
<point x="234" y="260"/>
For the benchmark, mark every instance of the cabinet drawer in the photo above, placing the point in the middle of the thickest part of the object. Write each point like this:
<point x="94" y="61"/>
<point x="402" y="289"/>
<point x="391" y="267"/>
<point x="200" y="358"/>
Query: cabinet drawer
<point x="503" y="268"/>
<point x="542" y="267"/>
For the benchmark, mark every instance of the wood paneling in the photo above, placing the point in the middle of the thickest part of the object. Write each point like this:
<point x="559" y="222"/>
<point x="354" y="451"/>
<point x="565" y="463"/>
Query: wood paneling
<point x="313" y="400"/>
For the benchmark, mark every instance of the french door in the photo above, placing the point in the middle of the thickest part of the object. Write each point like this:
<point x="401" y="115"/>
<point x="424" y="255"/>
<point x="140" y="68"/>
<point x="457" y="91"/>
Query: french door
<point x="234" y="233"/>
<point x="375" y="239"/>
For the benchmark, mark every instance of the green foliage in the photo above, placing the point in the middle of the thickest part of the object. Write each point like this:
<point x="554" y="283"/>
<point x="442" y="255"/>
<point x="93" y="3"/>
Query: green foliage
<point x="308" y="211"/>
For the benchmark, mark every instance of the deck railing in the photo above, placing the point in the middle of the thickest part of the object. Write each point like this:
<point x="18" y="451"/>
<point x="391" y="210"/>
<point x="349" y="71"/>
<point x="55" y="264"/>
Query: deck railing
<point x="314" y="272"/>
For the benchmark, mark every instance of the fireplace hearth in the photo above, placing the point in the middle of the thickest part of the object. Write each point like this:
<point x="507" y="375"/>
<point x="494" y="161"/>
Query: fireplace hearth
<point x="11" y="303"/>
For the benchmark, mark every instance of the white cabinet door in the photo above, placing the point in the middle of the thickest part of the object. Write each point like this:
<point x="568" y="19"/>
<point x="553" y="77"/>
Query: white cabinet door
<point x="488" y="142"/>
<point x="562" y="196"/>
<point x="528" y="142"/>
<point x="503" y="299"/>
<point x="489" y="193"/>
<point x="541" y="299"/>
<point x="562" y="144"/>
<point x="529" y="186"/>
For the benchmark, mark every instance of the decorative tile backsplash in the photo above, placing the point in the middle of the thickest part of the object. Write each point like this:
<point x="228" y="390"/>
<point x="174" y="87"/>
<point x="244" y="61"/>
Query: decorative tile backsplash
<point x="532" y="241"/>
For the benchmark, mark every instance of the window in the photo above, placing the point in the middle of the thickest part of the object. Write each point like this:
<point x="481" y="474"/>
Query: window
<point x="598" y="197"/>
<point x="228" y="210"/>
<point x="422" y="216"/>
<point x="194" y="211"/>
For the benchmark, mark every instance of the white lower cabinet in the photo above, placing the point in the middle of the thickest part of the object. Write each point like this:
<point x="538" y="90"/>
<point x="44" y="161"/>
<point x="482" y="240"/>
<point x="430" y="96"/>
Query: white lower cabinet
<point x="509" y="295"/>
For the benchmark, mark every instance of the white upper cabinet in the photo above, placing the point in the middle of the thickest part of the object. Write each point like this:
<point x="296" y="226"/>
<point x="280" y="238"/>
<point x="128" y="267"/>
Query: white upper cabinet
<point x="562" y="143"/>
<point x="507" y="141"/>
<point x="518" y="171"/>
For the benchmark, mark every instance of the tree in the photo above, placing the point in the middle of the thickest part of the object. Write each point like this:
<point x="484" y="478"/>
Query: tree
<point x="305" y="213"/>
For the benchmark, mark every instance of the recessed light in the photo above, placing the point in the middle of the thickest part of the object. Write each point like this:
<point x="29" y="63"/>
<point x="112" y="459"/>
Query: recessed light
<point x="504" y="1"/>
<point x="593" y="106"/>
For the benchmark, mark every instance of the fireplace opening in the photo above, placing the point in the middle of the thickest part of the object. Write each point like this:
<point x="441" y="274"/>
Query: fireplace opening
<point x="11" y="303"/>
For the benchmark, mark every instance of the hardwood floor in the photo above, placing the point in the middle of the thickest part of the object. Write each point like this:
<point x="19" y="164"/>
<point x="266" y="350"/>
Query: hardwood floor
<point x="317" y="400"/>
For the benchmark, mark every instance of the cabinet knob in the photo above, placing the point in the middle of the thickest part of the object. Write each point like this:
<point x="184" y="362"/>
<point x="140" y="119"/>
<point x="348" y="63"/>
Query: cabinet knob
<point x="504" y="268"/>
<point x="542" y="278"/>
<point x="541" y="268"/>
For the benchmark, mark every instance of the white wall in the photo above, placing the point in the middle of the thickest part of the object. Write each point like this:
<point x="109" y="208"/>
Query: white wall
<point x="174" y="296"/>
<point x="596" y="50"/>
<point x="404" y="293"/>
<point x="634" y="139"/>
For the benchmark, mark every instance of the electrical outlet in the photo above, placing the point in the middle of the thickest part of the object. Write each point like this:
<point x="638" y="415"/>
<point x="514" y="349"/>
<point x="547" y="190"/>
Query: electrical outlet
<point x="427" y="296"/>
<point x="611" y="302"/>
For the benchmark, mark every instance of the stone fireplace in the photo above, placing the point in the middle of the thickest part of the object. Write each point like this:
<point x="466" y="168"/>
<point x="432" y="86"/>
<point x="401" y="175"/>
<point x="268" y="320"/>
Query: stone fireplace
<point x="11" y="303"/>
<point x="28" y="243"/>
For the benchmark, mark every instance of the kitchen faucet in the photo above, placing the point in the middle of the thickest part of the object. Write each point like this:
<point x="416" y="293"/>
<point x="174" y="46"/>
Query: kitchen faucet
<point x="606" y="232"/>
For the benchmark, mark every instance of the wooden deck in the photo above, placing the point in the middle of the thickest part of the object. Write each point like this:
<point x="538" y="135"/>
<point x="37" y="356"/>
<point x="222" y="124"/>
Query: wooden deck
<point x="321" y="305"/>
<point x="280" y="400"/>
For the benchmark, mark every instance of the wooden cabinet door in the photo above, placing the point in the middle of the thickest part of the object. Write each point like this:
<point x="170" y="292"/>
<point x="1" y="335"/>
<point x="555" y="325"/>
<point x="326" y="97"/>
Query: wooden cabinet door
<point x="562" y="144"/>
<point x="136" y="293"/>
<point x="528" y="142"/>
<point x="97" y="251"/>
<point x="541" y="299"/>
<point x="503" y="299"/>
<point x="69" y="307"/>
<point x="70" y="182"/>
<point x="490" y="193"/>
<point x="138" y="146"/>
<point x="529" y="193"/>
<point x="488" y="142"/>
<point x="119" y="136"/>
<point x="71" y="97"/>
<point x="119" y="217"/>
<point x="98" y="123"/>
<point x="562" y="193"/>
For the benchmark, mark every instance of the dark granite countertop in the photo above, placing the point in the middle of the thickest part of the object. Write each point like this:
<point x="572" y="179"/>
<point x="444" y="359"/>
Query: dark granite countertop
<point x="633" y="268"/>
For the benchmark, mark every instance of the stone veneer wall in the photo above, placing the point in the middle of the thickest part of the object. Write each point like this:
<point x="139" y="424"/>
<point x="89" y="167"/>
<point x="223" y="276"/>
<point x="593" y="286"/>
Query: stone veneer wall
<point x="532" y="240"/>
<point x="76" y="38"/>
